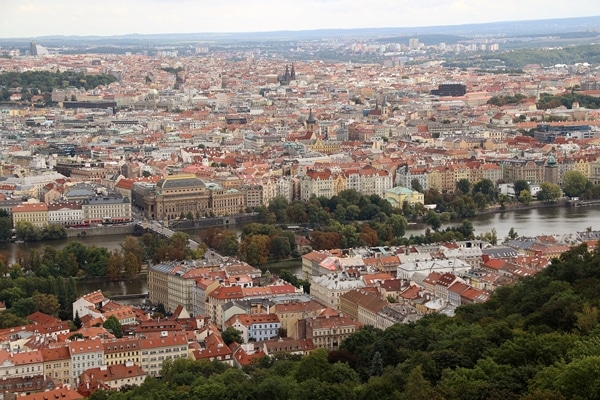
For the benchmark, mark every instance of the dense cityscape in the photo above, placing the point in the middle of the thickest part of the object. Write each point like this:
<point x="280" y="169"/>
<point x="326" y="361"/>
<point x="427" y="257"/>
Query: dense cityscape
<point x="322" y="153"/>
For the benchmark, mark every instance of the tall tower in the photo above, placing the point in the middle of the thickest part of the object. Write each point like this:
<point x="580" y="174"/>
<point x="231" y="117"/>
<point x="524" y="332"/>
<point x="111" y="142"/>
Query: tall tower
<point x="293" y="73"/>
<point x="311" y="122"/>
<point x="385" y="108"/>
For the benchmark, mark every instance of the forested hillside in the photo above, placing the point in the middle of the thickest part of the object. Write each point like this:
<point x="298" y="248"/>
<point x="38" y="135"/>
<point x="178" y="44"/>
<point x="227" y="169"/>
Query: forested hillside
<point x="538" y="339"/>
<point x="40" y="82"/>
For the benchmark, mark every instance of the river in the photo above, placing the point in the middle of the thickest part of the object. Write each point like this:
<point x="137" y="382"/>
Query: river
<point x="531" y="222"/>
<point x="526" y="222"/>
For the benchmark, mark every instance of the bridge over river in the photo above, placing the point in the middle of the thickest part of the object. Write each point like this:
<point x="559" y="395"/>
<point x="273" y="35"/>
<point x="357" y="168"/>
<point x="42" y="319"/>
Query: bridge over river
<point x="159" y="229"/>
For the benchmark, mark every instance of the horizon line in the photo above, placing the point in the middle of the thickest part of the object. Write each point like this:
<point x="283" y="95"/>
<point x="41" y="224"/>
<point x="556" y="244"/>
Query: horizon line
<point x="216" y="33"/>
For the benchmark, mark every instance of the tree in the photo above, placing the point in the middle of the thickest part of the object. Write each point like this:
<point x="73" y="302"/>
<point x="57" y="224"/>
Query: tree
<point x="46" y="303"/>
<point x="352" y="212"/>
<point x="132" y="245"/>
<point x="325" y="240"/>
<point x="587" y="319"/>
<point x="398" y="224"/>
<point x="521" y="185"/>
<point x="464" y="186"/>
<point x="278" y="206"/>
<point x="255" y="249"/>
<point x="115" y="262"/>
<point x="231" y="335"/>
<point x="76" y="336"/>
<point x="490" y="237"/>
<point x="525" y="197"/>
<point x="10" y="320"/>
<point x="340" y="213"/>
<point x="53" y="232"/>
<point x="281" y="247"/>
<point x="265" y="216"/>
<point x="23" y="307"/>
<point x="417" y="387"/>
<point x="66" y="264"/>
<point x="230" y="245"/>
<point x="579" y="379"/>
<point x="369" y="236"/>
<point x="130" y="265"/>
<point x="574" y="183"/>
<point x="177" y="246"/>
<point x="486" y="187"/>
<point x="512" y="234"/>
<point x="415" y="185"/>
<point x="96" y="262"/>
<point x="549" y="192"/>
<point x="27" y="232"/>
<point x="433" y="220"/>
<point x="5" y="228"/>
<point x="11" y="295"/>
<point x="314" y="365"/>
<point x="77" y="320"/>
<point x="112" y="324"/>
<point x="376" y="365"/>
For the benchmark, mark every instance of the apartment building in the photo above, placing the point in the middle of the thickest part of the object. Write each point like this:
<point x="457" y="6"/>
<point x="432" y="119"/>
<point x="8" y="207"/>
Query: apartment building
<point x="34" y="213"/>
<point x="68" y="213"/>
<point x="106" y="209"/>
<point x="122" y="351"/>
<point x="174" y="284"/>
<point x="255" y="327"/>
<point x="21" y="363"/>
<point x="327" y="289"/>
<point x="316" y="183"/>
<point x="289" y="313"/>
<point x="57" y="364"/>
<point x="85" y="354"/>
<point x="112" y="377"/>
<point x="328" y="331"/>
<point x="155" y="350"/>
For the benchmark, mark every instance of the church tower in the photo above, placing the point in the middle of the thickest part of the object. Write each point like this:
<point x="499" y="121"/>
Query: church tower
<point x="385" y="108"/>
<point x="311" y="122"/>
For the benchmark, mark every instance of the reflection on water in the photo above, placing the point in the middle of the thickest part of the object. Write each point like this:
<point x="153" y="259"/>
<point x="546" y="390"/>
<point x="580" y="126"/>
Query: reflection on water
<point x="530" y="222"/>
<point x="132" y="286"/>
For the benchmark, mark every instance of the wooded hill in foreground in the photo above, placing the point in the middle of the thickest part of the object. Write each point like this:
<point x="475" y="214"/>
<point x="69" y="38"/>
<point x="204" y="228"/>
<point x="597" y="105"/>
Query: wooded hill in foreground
<point x="538" y="339"/>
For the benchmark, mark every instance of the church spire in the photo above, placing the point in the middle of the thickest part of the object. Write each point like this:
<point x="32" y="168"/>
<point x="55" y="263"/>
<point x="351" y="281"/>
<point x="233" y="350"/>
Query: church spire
<point x="311" y="122"/>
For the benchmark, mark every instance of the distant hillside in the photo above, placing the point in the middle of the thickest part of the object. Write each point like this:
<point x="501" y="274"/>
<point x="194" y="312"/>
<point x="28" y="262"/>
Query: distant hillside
<point x="514" y="28"/>
<point x="569" y="55"/>
<point x="428" y="40"/>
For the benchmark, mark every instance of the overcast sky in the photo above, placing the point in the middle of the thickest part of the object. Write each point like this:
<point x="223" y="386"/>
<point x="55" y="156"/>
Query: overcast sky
<point x="31" y="18"/>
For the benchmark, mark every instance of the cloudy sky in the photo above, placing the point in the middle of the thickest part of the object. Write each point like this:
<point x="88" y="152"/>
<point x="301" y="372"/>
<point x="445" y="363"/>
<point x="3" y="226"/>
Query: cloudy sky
<point x="31" y="18"/>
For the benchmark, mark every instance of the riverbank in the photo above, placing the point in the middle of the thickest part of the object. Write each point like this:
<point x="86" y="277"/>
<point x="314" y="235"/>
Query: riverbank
<point x="106" y="230"/>
<point x="520" y="206"/>
<point x="538" y="204"/>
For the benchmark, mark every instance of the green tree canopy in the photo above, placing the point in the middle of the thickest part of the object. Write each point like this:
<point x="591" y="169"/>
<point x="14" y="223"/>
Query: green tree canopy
<point x="231" y="335"/>
<point x="112" y="324"/>
<point x="549" y="192"/>
<point x="574" y="183"/>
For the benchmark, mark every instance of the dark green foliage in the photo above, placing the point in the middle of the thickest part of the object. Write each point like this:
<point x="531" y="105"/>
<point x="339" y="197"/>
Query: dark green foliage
<point x="537" y="339"/>
<point x="547" y="101"/>
<point x="231" y="335"/>
<point x="112" y="324"/>
<point x="518" y="58"/>
<point x="504" y="100"/>
<point x="45" y="81"/>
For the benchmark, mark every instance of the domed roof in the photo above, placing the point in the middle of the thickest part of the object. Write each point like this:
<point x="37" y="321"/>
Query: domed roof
<point x="153" y="91"/>
<point x="175" y="182"/>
